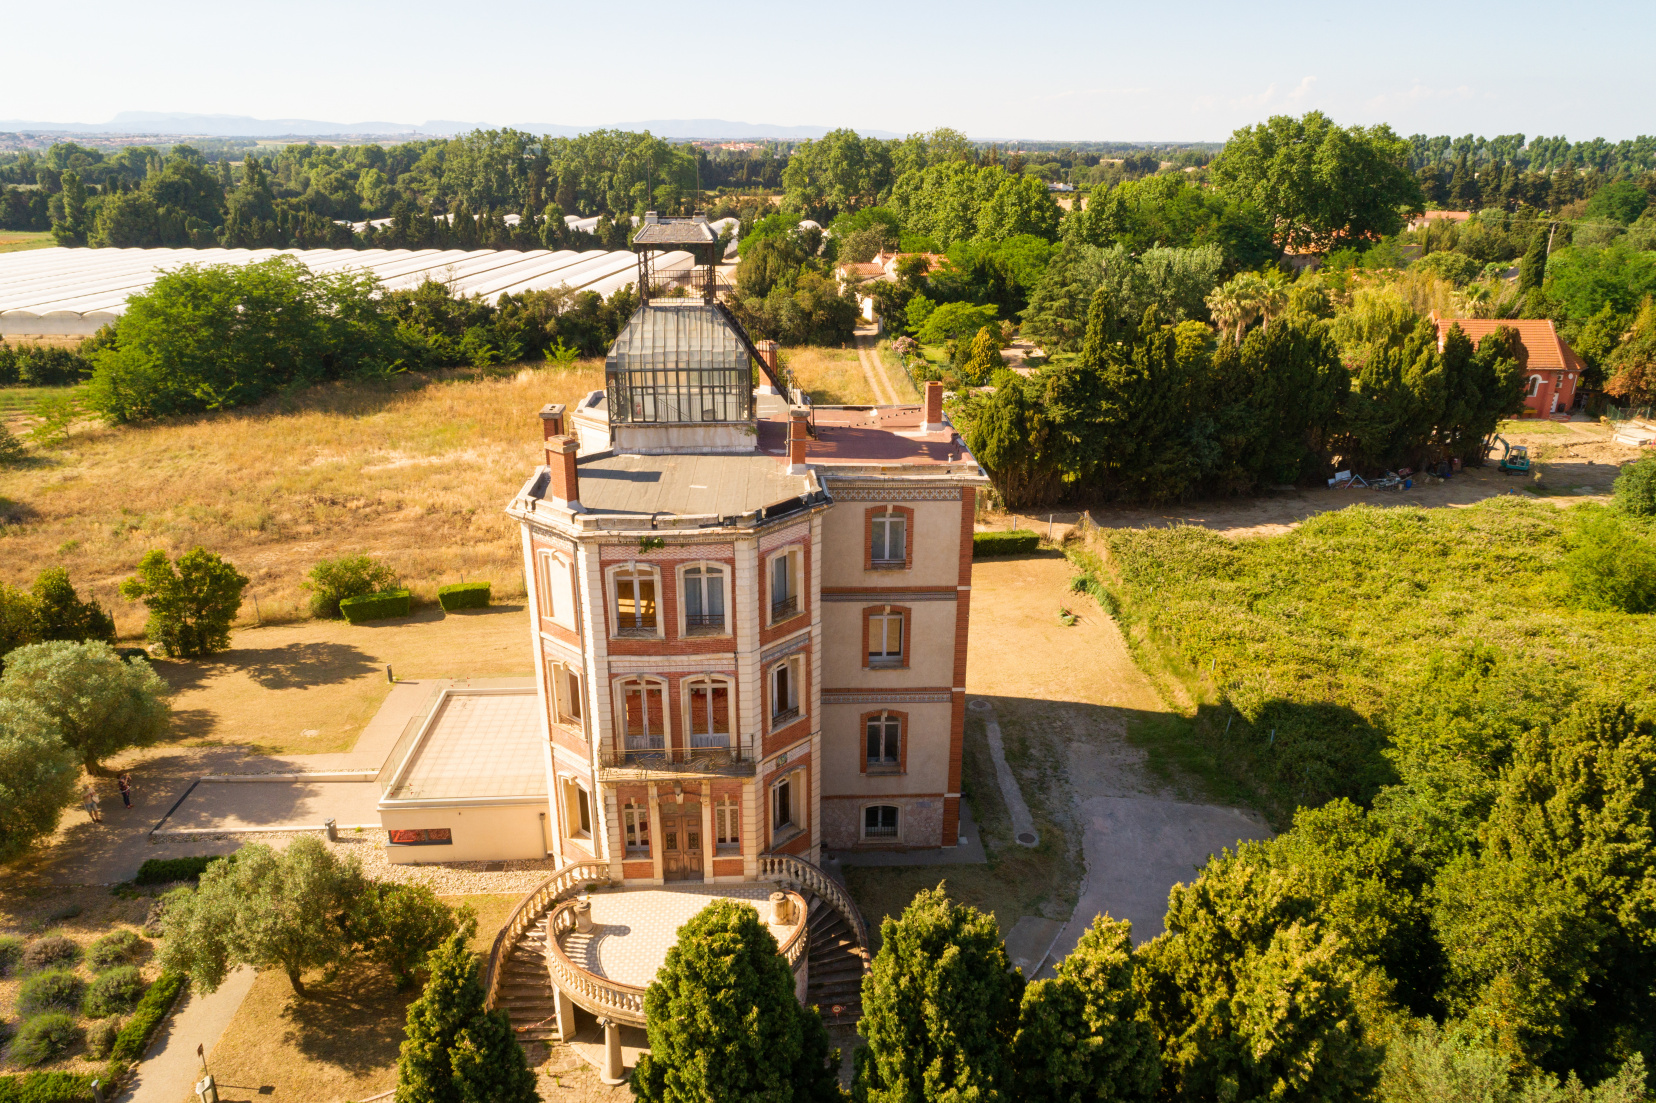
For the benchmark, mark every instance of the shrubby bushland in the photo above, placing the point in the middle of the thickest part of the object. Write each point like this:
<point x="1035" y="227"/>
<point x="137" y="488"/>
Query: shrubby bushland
<point x="44" y="1038"/>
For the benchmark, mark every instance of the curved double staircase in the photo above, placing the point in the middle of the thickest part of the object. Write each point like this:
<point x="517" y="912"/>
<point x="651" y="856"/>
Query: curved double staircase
<point x="528" y="953"/>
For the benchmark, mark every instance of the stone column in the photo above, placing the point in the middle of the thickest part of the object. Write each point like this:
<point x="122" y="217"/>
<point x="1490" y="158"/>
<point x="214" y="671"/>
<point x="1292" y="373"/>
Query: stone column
<point x="709" y="844"/>
<point x="614" y="1071"/>
<point x="658" y="838"/>
<point x="565" y="1008"/>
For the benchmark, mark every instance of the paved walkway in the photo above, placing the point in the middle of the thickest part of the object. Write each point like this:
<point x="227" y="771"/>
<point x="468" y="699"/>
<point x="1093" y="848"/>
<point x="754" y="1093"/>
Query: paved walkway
<point x="633" y="929"/>
<point x="170" y="1068"/>
<point x="1023" y="824"/>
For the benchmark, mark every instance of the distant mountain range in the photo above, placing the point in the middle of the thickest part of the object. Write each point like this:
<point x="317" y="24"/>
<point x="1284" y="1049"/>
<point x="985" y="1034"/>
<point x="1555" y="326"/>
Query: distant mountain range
<point x="244" y="126"/>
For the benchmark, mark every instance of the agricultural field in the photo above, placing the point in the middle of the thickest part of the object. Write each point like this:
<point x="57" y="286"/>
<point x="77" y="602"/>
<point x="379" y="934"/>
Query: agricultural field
<point x="14" y="241"/>
<point x="416" y="471"/>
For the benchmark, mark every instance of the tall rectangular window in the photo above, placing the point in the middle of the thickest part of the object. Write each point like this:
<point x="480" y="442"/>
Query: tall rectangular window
<point x="646" y="717"/>
<point x="704" y="605"/>
<point x="637" y="822"/>
<point x="727" y="822"/>
<point x="709" y="713"/>
<point x="572" y="695"/>
<point x="784" y="587"/>
<point x="883" y="744"/>
<point x="785" y="691"/>
<point x="889" y="540"/>
<point x="577" y="810"/>
<point x="782" y="804"/>
<point x="635" y="603"/>
<point x="885" y="639"/>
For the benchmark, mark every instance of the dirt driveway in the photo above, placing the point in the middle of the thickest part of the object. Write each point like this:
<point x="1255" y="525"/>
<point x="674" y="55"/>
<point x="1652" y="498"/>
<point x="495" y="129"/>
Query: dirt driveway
<point x="1067" y="698"/>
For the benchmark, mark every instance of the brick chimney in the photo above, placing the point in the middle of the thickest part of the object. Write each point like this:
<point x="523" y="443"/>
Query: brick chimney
<point x="565" y="485"/>
<point x="797" y="436"/>
<point x="767" y="353"/>
<point x="552" y="420"/>
<point x="934" y="408"/>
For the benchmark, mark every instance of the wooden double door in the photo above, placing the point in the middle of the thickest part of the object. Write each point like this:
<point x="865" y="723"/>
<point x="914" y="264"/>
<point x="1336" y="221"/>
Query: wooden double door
<point x="681" y="841"/>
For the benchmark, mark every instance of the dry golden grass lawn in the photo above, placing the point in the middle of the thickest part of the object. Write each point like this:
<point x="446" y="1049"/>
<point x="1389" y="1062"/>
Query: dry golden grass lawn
<point x="901" y="385"/>
<point x="338" y="1043"/>
<point x="309" y="687"/>
<point x="14" y="241"/>
<point x="416" y="471"/>
<point x="832" y="377"/>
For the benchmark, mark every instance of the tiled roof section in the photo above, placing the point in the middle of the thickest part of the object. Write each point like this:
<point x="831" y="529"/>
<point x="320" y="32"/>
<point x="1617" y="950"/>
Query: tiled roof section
<point x="1445" y="216"/>
<point x="1546" y="350"/>
<point x="863" y="435"/>
<point x="675" y="234"/>
<point x="677" y="333"/>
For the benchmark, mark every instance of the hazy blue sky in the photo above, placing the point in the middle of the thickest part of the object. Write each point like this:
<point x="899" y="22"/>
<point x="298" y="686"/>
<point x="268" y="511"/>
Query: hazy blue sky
<point x="1192" y="70"/>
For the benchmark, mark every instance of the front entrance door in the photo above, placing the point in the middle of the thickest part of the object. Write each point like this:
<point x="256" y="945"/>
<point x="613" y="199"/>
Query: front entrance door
<point x="681" y="842"/>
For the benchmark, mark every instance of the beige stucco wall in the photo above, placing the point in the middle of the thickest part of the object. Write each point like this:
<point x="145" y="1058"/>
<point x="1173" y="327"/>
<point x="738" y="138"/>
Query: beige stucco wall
<point x="842" y="749"/>
<point x="930" y="646"/>
<point x="490" y="833"/>
<point x="936" y="540"/>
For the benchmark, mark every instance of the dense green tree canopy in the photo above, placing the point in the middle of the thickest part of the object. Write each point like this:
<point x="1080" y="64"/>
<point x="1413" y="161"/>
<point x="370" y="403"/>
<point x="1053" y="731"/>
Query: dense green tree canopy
<point x="38" y="774"/>
<point x="100" y="704"/>
<point x="1321" y="185"/>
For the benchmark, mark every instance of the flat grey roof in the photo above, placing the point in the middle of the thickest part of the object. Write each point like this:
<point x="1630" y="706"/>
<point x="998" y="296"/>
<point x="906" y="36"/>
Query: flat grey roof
<point x="684" y="484"/>
<point x="677" y="232"/>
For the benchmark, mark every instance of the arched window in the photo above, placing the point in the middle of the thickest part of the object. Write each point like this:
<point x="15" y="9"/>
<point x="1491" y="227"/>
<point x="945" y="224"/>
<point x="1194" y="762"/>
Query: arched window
<point x="643" y="714"/>
<point x="880" y="821"/>
<point x="707" y="701"/>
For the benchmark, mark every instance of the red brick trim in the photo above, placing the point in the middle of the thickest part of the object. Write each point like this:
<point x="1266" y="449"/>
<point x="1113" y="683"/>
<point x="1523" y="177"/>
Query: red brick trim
<point x="868" y="537"/>
<point x="902" y="741"/>
<point x="869" y="612"/>
<point x="727" y="867"/>
<point x="641" y="871"/>
<point x="957" y="718"/>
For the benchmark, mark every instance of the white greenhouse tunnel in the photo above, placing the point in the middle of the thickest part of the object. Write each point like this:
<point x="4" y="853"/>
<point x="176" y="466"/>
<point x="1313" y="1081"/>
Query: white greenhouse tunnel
<point x="71" y="292"/>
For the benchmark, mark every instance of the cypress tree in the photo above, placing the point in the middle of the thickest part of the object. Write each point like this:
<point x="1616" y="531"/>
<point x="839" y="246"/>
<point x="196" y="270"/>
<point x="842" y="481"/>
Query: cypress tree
<point x="939" y="1008"/>
<point x="454" y="1051"/>
<point x="723" y="1022"/>
<point x="983" y="358"/>
<point x="1085" y="1034"/>
<point x="1532" y="270"/>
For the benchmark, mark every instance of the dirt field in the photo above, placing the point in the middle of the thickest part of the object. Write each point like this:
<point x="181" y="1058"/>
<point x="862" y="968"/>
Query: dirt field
<point x="417" y="472"/>
<point x="12" y="241"/>
<point x="1571" y="461"/>
<point x="1053" y="687"/>
<point x="309" y="687"/>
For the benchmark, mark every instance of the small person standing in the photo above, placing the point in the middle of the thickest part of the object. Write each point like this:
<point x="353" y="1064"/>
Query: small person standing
<point x="92" y="809"/>
<point x="126" y="789"/>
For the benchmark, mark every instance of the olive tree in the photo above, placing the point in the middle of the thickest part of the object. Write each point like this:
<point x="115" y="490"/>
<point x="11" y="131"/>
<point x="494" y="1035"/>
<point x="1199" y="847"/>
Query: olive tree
<point x="100" y="703"/>
<point x="37" y="776"/>
<point x="283" y="909"/>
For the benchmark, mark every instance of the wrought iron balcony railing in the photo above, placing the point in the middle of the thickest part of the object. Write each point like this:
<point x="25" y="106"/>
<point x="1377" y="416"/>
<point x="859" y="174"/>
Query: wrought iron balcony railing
<point x="782" y="610"/>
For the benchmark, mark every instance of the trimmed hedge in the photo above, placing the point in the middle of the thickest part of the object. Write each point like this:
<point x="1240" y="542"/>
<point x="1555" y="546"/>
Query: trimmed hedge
<point x="391" y="603"/>
<point x="463" y="595"/>
<point x="1013" y="542"/>
<point x="135" y="1035"/>
<point x="162" y="871"/>
<point x="51" y="1087"/>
